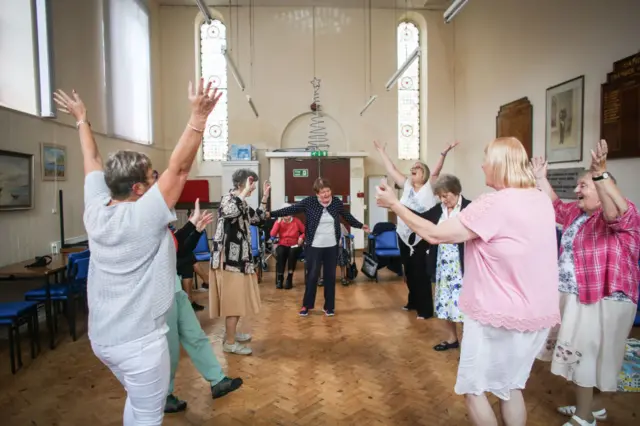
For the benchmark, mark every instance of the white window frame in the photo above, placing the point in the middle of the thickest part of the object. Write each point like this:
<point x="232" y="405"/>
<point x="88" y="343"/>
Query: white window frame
<point x="43" y="48"/>
<point x="419" y="63"/>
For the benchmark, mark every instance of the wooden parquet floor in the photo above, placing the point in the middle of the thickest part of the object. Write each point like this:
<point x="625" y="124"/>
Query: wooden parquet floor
<point x="372" y="364"/>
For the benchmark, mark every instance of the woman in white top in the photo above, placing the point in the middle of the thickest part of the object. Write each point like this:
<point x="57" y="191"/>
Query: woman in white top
<point x="418" y="196"/>
<point x="132" y="272"/>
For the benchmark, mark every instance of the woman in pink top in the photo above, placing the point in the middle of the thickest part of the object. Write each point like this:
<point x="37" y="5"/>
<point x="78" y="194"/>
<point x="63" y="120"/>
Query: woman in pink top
<point x="598" y="286"/>
<point x="509" y="290"/>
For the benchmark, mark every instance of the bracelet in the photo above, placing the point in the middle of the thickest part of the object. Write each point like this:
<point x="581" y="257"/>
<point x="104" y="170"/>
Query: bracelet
<point x="444" y="154"/>
<point x="78" y="123"/>
<point x="263" y="201"/>
<point x="195" y="129"/>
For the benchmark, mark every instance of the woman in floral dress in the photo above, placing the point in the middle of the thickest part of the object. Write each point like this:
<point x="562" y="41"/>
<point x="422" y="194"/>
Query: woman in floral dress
<point x="446" y="261"/>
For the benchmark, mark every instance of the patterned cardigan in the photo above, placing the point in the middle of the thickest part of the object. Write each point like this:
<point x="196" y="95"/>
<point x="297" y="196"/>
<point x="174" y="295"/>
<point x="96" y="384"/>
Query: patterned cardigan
<point x="232" y="238"/>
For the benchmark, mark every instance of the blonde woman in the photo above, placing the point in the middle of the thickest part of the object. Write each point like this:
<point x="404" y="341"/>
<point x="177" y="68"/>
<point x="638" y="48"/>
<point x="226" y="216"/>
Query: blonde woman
<point x="509" y="293"/>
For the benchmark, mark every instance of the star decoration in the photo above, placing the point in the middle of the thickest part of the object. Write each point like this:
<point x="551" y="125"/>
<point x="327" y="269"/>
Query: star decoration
<point x="315" y="82"/>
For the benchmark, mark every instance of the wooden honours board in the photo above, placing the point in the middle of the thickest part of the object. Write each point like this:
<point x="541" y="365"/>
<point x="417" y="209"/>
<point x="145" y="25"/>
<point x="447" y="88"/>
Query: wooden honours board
<point x="515" y="119"/>
<point x="620" y="108"/>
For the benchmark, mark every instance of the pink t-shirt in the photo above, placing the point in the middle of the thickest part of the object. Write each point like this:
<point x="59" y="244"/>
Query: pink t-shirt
<point x="511" y="271"/>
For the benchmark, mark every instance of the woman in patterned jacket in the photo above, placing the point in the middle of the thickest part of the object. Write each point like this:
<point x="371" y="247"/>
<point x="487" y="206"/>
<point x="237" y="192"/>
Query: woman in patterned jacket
<point x="234" y="289"/>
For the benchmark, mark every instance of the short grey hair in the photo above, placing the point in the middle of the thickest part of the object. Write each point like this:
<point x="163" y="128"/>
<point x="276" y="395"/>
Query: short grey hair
<point x="123" y="170"/>
<point x="240" y="176"/>
<point x="447" y="183"/>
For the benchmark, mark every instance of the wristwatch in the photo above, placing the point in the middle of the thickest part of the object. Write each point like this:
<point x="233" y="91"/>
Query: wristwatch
<point x="603" y="176"/>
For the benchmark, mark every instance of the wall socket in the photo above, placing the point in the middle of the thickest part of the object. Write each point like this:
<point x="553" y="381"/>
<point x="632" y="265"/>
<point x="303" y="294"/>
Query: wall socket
<point x="54" y="248"/>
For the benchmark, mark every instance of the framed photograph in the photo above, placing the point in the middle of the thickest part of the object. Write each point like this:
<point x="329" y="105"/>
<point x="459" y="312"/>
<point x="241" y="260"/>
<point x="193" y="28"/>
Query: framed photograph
<point x="563" y="127"/>
<point x="16" y="181"/>
<point x="54" y="162"/>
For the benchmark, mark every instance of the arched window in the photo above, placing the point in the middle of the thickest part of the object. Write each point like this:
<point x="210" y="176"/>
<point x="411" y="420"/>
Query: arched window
<point x="213" y="67"/>
<point x="408" y="94"/>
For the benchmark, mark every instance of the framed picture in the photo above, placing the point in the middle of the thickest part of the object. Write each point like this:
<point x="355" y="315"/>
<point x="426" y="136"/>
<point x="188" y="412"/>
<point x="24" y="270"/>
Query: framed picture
<point x="54" y="162"/>
<point x="16" y="181"/>
<point x="563" y="127"/>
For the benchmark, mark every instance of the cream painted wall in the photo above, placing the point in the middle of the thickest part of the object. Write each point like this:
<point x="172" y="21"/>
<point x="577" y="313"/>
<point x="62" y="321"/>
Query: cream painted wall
<point x="77" y="51"/>
<point x="507" y="49"/>
<point x="279" y="81"/>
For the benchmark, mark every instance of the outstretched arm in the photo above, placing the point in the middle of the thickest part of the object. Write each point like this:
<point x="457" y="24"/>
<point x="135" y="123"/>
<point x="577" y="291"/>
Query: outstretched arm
<point x="437" y="169"/>
<point x="172" y="181"/>
<point x="614" y="205"/>
<point x="539" y="166"/>
<point x="392" y="170"/>
<point x="75" y="107"/>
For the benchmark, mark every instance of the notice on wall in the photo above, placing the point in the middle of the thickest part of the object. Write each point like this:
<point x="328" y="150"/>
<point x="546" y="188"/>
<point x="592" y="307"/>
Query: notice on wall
<point x="301" y="173"/>
<point x="564" y="181"/>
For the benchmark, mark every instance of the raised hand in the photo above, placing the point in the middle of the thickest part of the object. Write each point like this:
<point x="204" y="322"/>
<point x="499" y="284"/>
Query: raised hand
<point x="452" y="145"/>
<point x="266" y="189"/>
<point x="204" y="220"/>
<point x="599" y="158"/>
<point x="539" y="166"/>
<point x="68" y="105"/>
<point x="249" y="185"/>
<point x="197" y="214"/>
<point x="385" y="196"/>
<point x="203" y="100"/>
<point x="379" y="146"/>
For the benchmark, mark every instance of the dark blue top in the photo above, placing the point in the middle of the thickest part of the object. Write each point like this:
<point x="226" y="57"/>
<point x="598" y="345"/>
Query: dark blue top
<point x="312" y="208"/>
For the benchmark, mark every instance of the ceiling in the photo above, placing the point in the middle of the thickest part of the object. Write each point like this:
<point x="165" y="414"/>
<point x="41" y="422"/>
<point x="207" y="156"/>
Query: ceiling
<point x="376" y="4"/>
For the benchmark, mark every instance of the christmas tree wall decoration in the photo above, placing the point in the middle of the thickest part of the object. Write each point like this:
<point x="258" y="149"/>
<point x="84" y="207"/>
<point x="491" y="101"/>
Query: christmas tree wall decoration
<point x="318" y="142"/>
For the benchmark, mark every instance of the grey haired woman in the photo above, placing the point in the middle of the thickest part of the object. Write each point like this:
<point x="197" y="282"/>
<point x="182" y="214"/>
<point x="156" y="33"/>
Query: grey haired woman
<point x="234" y="289"/>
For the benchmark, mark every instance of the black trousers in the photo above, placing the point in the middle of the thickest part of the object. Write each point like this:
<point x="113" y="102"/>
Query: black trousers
<point x="418" y="280"/>
<point x="286" y="256"/>
<point x="327" y="259"/>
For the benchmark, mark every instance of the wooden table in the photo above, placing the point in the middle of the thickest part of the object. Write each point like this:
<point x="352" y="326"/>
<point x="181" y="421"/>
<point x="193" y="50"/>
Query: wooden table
<point x="19" y="270"/>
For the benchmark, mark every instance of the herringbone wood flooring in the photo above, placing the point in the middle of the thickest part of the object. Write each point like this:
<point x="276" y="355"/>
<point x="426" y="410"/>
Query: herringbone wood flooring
<point x="371" y="364"/>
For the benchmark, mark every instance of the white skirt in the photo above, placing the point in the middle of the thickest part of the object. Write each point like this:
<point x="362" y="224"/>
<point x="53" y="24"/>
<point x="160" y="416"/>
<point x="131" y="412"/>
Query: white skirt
<point x="496" y="360"/>
<point x="588" y="347"/>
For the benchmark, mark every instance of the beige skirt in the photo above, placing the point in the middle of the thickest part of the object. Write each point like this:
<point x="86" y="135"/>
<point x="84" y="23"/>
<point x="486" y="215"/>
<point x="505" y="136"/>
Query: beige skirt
<point x="587" y="348"/>
<point x="233" y="294"/>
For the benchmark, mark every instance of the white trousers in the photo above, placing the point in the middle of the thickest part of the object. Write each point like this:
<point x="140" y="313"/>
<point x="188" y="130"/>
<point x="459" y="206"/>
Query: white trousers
<point x="143" y="367"/>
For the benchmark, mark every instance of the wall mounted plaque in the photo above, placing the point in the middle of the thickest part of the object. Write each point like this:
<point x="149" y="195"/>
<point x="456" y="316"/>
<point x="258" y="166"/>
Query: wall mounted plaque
<point x="515" y="119"/>
<point x="620" y="108"/>
<point x="564" y="181"/>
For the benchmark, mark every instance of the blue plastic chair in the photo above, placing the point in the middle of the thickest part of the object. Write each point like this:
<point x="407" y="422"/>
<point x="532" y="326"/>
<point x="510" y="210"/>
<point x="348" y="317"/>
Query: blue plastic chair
<point x="255" y="250"/>
<point x="69" y="292"/>
<point x="12" y="316"/>
<point x="202" y="251"/>
<point x="384" y="245"/>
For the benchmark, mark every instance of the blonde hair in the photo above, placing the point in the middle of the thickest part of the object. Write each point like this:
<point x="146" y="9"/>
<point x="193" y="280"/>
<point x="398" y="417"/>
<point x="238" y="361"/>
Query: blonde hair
<point x="425" y="170"/>
<point x="509" y="164"/>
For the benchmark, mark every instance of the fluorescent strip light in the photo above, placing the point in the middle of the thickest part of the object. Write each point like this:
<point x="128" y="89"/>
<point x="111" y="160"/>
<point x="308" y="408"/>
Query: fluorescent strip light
<point x="252" y="105"/>
<point x="368" y="104"/>
<point x="453" y="10"/>
<point x="43" y="32"/>
<point x="234" y="70"/>
<point x="394" y="79"/>
<point x="204" y="10"/>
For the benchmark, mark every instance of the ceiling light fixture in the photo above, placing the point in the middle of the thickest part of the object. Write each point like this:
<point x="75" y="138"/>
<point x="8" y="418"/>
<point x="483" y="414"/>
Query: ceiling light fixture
<point x="234" y="70"/>
<point x="396" y="76"/>
<point x="204" y="10"/>
<point x="453" y="10"/>
<point x="252" y="105"/>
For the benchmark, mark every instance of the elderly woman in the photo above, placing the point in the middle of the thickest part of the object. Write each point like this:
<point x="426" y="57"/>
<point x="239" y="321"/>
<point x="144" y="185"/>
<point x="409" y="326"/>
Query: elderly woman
<point x="234" y="289"/>
<point x="290" y="233"/>
<point x="509" y="292"/>
<point x="598" y="285"/>
<point x="418" y="196"/>
<point x="323" y="212"/>
<point x="132" y="273"/>
<point x="446" y="261"/>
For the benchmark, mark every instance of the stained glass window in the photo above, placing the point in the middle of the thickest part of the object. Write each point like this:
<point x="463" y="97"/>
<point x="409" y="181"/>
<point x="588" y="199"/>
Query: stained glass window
<point x="213" y="43"/>
<point x="408" y="94"/>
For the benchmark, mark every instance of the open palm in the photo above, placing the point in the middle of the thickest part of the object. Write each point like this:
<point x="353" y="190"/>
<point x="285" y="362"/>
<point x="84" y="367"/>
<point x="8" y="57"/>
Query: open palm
<point x="539" y="166"/>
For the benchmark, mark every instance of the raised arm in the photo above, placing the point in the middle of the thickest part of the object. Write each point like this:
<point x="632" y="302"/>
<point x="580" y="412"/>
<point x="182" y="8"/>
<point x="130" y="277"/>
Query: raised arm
<point x="539" y="165"/>
<point x="614" y="205"/>
<point x="437" y="169"/>
<point x="448" y="232"/>
<point x="172" y="181"/>
<point x="392" y="170"/>
<point x="75" y="107"/>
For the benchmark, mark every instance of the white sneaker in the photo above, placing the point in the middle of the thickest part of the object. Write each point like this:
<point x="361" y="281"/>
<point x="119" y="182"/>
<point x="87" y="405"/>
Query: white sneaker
<point x="580" y="422"/>
<point x="237" y="349"/>
<point x="243" y="337"/>
<point x="570" y="410"/>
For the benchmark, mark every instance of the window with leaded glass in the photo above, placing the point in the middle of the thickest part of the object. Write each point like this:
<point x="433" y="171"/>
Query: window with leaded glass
<point x="408" y="94"/>
<point x="213" y="67"/>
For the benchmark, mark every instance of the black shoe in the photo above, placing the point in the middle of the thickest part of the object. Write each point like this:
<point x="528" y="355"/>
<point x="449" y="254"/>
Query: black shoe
<point x="279" y="279"/>
<point x="205" y="286"/>
<point x="225" y="386"/>
<point x="174" y="405"/>
<point x="408" y="307"/>
<point x="320" y="282"/>
<point x="196" y="307"/>
<point x="288" y="285"/>
<point x="445" y="346"/>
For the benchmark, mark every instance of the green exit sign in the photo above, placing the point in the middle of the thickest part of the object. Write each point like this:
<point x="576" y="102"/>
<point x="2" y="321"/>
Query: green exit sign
<point x="319" y="153"/>
<point x="300" y="173"/>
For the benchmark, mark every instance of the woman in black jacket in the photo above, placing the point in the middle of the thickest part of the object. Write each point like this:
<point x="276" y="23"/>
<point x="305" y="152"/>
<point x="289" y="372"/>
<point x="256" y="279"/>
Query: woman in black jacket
<point x="323" y="214"/>
<point x="445" y="262"/>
